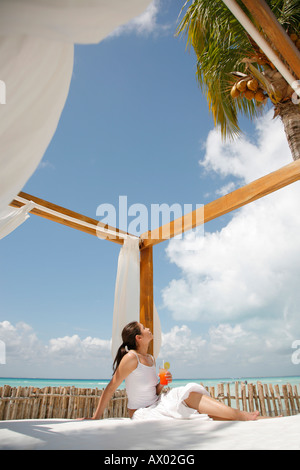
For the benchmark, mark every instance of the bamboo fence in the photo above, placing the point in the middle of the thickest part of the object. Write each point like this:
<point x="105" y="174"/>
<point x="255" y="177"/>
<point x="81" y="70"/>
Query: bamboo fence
<point x="71" y="403"/>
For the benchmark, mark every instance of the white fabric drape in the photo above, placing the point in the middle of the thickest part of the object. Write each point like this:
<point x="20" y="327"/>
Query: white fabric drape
<point x="36" y="62"/>
<point x="127" y="296"/>
<point x="127" y="291"/>
<point x="37" y="75"/>
<point x="73" y="21"/>
<point x="11" y="218"/>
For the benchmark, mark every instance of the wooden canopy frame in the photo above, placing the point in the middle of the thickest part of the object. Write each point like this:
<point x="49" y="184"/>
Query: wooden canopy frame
<point x="264" y="16"/>
<point x="225" y="204"/>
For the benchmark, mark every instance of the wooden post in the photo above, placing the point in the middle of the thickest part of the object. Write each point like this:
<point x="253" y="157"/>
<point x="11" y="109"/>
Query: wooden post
<point x="273" y="399"/>
<point x="146" y="290"/>
<point x="277" y="392"/>
<point x="244" y="396"/>
<point x="286" y="400"/>
<point x="266" y="391"/>
<point x="220" y="396"/>
<point x="237" y="398"/>
<point x="228" y="394"/>
<point x="261" y="398"/>
<point x="297" y="398"/>
<point x="291" y="399"/>
<point x="251" y="397"/>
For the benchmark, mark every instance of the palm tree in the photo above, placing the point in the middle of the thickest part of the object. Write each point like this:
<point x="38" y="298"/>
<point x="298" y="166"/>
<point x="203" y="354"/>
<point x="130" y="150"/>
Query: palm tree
<point x="234" y="73"/>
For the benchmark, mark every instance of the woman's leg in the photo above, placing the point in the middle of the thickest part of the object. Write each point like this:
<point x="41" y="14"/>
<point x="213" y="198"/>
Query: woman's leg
<point x="217" y="410"/>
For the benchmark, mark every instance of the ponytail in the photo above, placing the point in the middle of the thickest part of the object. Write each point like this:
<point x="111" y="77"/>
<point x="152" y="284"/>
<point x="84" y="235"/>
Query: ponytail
<point x="128" y="336"/>
<point x="120" y="354"/>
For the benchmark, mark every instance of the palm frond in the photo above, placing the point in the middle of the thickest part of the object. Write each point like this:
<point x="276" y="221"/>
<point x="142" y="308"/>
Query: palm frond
<point x="221" y="44"/>
<point x="287" y="13"/>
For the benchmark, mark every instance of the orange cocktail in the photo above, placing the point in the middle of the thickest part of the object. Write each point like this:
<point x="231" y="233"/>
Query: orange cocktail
<point x="162" y="373"/>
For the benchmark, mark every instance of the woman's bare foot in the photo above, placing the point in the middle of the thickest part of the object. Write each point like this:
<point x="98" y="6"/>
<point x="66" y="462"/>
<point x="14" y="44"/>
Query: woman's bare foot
<point x="250" y="416"/>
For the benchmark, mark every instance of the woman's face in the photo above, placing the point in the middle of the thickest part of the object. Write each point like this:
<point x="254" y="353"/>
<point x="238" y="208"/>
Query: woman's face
<point x="145" y="332"/>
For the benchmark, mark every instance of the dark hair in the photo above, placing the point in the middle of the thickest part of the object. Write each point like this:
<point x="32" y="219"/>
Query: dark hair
<point x="128" y="336"/>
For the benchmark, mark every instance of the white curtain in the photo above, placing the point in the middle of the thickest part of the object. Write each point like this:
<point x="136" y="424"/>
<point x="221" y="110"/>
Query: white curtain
<point x="11" y="218"/>
<point x="127" y="296"/>
<point x="36" y="63"/>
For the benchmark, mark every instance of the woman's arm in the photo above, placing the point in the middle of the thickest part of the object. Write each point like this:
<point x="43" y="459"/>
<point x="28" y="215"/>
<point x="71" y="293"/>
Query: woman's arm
<point x="159" y="388"/>
<point x="126" y="366"/>
<point x="104" y="400"/>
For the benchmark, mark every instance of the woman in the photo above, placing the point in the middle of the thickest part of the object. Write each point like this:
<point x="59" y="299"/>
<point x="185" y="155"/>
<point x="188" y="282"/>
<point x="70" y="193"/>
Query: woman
<point x="137" y="368"/>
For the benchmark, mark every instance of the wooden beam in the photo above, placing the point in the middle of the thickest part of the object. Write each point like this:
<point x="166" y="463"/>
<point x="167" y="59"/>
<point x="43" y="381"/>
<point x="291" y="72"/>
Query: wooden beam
<point x="264" y="16"/>
<point x="146" y="290"/>
<point x="225" y="204"/>
<point x="70" y="218"/>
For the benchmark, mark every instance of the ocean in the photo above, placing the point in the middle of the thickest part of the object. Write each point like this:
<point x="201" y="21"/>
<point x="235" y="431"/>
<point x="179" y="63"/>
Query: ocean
<point x="101" y="383"/>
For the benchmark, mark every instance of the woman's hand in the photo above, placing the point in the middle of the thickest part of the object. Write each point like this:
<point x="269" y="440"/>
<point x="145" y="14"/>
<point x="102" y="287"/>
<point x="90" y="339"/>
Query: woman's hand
<point x="159" y="386"/>
<point x="169" y="377"/>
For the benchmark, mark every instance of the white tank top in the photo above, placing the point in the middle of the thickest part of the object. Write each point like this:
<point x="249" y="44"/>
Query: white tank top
<point x="141" y="385"/>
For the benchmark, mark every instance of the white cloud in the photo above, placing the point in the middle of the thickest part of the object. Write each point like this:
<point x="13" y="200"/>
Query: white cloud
<point x="225" y="350"/>
<point x="179" y="343"/>
<point x="226" y="189"/>
<point x="260" y="347"/>
<point x="248" y="159"/>
<point x="78" y="348"/>
<point x="45" y="164"/>
<point x="226" y="334"/>
<point x="249" y="270"/>
<point x="20" y="340"/>
<point x="69" y="356"/>
<point x="144" y="24"/>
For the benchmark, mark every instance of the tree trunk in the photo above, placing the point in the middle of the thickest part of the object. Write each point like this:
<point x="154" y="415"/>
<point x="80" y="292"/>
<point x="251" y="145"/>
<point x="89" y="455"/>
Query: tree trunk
<point x="290" y="116"/>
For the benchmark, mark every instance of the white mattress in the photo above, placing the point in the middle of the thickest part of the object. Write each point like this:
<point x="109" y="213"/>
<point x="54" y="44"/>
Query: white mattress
<point x="125" y="434"/>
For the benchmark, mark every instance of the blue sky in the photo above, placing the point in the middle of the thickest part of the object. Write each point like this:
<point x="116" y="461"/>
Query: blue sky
<point x="136" y="124"/>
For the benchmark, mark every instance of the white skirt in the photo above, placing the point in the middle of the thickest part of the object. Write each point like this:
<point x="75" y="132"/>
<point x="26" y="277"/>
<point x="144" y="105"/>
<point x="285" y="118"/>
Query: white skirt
<point x="171" y="405"/>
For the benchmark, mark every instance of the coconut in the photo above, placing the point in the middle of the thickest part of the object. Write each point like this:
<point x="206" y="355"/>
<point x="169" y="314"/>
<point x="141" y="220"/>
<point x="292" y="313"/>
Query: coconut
<point x="294" y="37"/>
<point x="249" y="94"/>
<point x="234" y="91"/>
<point x="241" y="85"/>
<point x="277" y="75"/>
<point x="259" y="95"/>
<point x="252" y="84"/>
